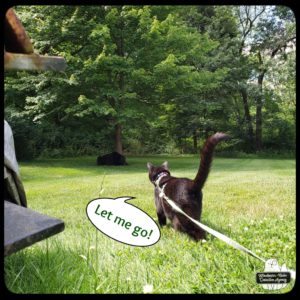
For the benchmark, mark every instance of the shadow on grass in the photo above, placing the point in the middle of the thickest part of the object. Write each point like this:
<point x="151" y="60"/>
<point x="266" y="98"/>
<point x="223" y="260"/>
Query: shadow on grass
<point x="177" y="164"/>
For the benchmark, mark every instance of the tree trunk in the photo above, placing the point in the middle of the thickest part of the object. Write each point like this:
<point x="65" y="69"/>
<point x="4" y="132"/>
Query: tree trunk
<point x="248" y="117"/>
<point x="258" y="133"/>
<point x="259" y="104"/>
<point x="119" y="101"/>
<point x="118" y="139"/>
<point x="195" y="141"/>
<point x="206" y="132"/>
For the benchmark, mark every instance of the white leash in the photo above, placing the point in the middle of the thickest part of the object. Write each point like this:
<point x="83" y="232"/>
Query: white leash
<point x="215" y="233"/>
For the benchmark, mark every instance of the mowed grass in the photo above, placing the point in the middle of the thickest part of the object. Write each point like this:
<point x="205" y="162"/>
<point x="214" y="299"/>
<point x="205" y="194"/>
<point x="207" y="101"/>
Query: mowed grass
<point x="250" y="200"/>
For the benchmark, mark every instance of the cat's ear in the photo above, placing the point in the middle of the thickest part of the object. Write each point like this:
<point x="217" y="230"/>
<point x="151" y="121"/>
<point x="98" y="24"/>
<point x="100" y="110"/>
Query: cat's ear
<point x="149" y="166"/>
<point x="165" y="165"/>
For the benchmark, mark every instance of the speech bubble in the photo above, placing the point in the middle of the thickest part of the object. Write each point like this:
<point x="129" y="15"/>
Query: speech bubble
<point x="123" y="222"/>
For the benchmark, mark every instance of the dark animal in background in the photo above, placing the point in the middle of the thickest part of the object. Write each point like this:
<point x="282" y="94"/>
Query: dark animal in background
<point x="186" y="193"/>
<point x="112" y="159"/>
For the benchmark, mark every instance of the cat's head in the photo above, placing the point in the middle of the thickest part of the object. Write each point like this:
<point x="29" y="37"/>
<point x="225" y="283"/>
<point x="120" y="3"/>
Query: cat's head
<point x="154" y="171"/>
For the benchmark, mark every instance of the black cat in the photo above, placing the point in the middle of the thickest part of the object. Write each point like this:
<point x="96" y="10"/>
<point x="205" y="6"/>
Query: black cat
<point x="186" y="193"/>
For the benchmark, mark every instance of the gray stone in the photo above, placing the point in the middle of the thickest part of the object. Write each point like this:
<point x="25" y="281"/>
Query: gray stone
<point x="24" y="227"/>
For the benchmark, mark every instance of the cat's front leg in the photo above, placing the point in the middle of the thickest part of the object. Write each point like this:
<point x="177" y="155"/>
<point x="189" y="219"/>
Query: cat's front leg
<point x="162" y="220"/>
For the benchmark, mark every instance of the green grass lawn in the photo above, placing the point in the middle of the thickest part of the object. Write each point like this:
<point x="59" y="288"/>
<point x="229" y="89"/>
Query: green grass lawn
<point x="250" y="200"/>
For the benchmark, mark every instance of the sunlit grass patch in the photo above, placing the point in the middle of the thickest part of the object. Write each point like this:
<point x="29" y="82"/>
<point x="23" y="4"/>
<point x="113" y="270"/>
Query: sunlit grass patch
<point x="250" y="200"/>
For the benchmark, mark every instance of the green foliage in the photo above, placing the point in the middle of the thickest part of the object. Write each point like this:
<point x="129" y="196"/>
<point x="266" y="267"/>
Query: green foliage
<point x="169" y="75"/>
<point x="26" y="138"/>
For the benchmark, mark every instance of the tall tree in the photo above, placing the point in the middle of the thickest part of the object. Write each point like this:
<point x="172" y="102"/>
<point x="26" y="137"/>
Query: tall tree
<point x="247" y="16"/>
<point x="124" y="61"/>
<point x="267" y="31"/>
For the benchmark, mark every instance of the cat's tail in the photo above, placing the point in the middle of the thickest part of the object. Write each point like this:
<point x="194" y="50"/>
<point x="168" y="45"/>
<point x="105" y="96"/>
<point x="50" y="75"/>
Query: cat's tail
<point x="206" y="158"/>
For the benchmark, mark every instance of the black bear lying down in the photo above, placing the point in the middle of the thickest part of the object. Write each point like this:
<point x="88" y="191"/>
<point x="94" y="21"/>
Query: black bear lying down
<point x="112" y="159"/>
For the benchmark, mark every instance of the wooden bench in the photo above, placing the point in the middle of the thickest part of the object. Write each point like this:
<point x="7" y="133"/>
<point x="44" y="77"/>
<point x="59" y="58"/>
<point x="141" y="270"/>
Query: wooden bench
<point x="24" y="227"/>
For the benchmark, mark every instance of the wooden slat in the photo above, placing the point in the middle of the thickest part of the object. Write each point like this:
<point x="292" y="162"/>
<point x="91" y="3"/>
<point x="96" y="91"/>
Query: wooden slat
<point x="24" y="227"/>
<point x="13" y="61"/>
